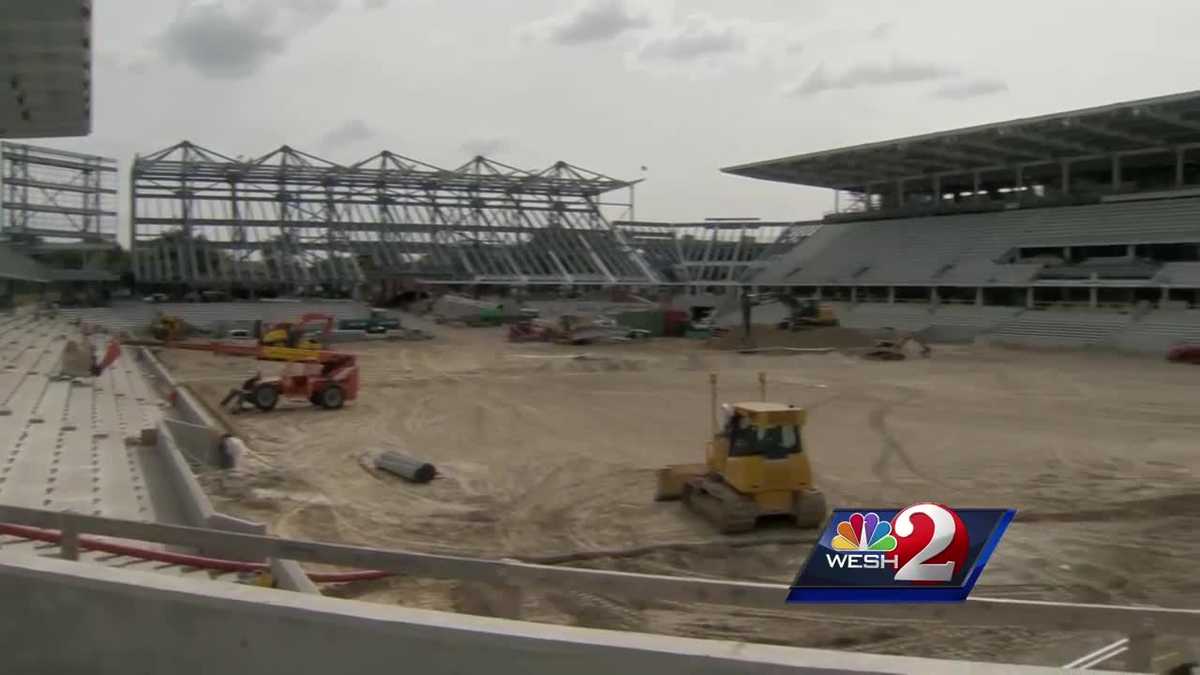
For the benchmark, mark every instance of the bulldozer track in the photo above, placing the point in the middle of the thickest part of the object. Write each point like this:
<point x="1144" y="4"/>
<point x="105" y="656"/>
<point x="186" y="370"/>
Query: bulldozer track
<point x="718" y="503"/>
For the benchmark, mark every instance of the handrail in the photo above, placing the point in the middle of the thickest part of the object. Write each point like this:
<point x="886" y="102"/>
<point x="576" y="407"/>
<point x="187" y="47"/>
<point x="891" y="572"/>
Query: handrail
<point x="1059" y="616"/>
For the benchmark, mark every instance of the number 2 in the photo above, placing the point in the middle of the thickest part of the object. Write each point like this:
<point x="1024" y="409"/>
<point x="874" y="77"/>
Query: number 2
<point x="917" y="569"/>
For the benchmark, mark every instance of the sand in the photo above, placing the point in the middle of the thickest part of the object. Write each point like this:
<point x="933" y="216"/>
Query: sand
<point x="549" y="449"/>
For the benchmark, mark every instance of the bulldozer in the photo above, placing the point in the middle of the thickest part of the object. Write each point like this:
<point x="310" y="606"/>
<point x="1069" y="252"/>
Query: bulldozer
<point x="806" y="313"/>
<point x="755" y="466"/>
<point x="168" y="328"/>
<point x="892" y="347"/>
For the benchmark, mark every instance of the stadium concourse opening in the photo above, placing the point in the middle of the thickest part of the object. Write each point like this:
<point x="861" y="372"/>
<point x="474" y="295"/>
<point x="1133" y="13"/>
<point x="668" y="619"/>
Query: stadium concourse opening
<point x="1095" y="209"/>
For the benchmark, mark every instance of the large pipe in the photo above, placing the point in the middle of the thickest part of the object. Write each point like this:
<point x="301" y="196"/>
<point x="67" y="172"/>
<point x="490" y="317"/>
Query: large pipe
<point x="406" y="467"/>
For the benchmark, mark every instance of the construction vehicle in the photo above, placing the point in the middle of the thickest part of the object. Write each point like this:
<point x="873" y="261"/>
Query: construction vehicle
<point x="755" y="466"/>
<point x="528" y="328"/>
<point x="168" y="328"/>
<point x="1184" y="353"/>
<point x="891" y="348"/>
<point x="311" y="332"/>
<point x="378" y="321"/>
<point x="324" y="378"/>
<point x="802" y="312"/>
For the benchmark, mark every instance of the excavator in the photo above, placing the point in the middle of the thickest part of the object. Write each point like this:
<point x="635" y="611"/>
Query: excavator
<point x="802" y="312"/>
<point x="755" y="466"/>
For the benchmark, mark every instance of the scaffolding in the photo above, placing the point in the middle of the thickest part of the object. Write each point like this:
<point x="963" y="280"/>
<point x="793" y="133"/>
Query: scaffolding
<point x="714" y="252"/>
<point x="292" y="219"/>
<point x="57" y="199"/>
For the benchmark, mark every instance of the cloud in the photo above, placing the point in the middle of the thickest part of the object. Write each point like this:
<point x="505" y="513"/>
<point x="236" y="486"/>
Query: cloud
<point x="233" y="40"/>
<point x="871" y="75"/>
<point x="698" y="36"/>
<point x="592" y="21"/>
<point x="882" y="31"/>
<point x="349" y="133"/>
<point x="374" y="4"/>
<point x="486" y="147"/>
<point x="972" y="88"/>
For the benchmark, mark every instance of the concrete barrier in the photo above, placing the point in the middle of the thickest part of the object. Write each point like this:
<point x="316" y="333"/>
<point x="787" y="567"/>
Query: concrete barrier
<point x="178" y="474"/>
<point x="197" y="509"/>
<point x="203" y="437"/>
<point x="63" y="616"/>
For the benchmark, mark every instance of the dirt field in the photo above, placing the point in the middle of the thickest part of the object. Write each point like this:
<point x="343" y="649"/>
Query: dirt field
<point x="549" y="449"/>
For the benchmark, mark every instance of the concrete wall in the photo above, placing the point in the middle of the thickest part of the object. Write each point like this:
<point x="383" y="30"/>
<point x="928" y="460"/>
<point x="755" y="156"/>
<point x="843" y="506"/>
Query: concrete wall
<point x="64" y="617"/>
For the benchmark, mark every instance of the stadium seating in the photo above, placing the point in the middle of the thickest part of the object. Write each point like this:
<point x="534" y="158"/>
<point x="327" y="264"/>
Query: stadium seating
<point x="1157" y="331"/>
<point x="1060" y="328"/>
<point x="962" y="249"/>
<point x="869" y="316"/>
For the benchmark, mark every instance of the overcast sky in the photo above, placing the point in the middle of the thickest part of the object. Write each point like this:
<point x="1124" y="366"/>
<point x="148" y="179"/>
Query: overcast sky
<point x="680" y="87"/>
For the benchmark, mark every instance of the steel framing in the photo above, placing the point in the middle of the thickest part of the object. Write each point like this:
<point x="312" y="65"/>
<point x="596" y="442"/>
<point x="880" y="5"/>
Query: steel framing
<point x="719" y="252"/>
<point x="292" y="219"/>
<point x="64" y="199"/>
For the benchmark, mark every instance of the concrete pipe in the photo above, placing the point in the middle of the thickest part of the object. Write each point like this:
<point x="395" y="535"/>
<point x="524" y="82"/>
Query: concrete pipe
<point x="406" y="467"/>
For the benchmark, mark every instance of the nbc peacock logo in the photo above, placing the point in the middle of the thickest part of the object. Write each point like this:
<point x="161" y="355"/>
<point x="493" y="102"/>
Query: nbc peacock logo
<point x="863" y="542"/>
<point x="864" y="532"/>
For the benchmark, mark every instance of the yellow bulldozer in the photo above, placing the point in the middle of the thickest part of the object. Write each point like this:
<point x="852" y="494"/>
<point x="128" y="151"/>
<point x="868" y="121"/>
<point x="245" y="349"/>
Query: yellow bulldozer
<point x="168" y="328"/>
<point x="755" y="466"/>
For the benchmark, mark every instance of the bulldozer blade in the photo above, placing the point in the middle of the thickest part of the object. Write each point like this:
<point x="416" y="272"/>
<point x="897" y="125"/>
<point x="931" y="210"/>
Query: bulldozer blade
<point x="671" y="480"/>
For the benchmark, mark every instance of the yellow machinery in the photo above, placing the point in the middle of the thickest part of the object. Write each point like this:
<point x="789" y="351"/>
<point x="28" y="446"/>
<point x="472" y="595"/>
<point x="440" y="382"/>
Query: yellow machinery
<point x="806" y="312"/>
<point x="891" y="348"/>
<point x="312" y="331"/>
<point x="755" y="465"/>
<point x="168" y="328"/>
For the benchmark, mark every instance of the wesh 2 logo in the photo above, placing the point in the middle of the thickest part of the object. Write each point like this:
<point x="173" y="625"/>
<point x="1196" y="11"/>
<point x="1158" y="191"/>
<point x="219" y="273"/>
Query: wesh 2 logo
<point x="924" y="553"/>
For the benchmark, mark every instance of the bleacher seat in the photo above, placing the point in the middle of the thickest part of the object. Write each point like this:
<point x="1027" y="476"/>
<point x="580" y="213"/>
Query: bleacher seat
<point x="962" y="249"/>
<point x="1061" y="328"/>
<point x="1157" y="331"/>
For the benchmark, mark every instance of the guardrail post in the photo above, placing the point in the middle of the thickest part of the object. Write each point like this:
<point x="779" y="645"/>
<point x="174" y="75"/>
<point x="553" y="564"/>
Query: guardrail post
<point x="68" y="544"/>
<point x="1140" y="657"/>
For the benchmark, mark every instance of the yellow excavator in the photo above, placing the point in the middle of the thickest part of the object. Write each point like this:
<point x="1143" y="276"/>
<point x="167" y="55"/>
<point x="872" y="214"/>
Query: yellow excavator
<point x="755" y="465"/>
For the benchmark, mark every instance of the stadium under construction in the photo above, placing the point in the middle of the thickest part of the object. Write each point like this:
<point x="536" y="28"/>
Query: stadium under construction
<point x="153" y="519"/>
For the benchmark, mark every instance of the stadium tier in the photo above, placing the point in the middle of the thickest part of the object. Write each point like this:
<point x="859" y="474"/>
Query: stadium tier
<point x="1127" y="244"/>
<point x="1077" y="228"/>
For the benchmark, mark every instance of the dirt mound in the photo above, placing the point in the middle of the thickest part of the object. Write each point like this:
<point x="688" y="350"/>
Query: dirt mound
<point x="771" y="336"/>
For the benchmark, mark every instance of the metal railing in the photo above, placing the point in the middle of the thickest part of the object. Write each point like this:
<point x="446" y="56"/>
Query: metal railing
<point x="1140" y="624"/>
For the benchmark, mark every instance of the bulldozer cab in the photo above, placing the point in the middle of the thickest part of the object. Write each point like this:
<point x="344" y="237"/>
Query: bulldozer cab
<point x="760" y="448"/>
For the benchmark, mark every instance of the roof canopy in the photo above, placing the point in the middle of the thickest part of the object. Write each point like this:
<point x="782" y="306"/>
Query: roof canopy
<point x="45" y="68"/>
<point x="1134" y="127"/>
